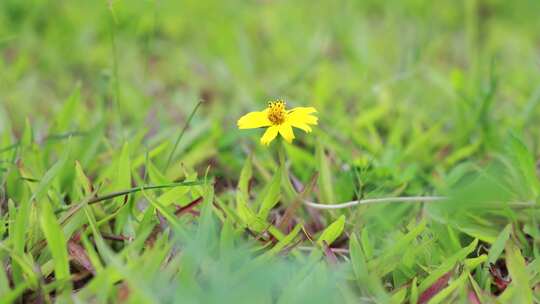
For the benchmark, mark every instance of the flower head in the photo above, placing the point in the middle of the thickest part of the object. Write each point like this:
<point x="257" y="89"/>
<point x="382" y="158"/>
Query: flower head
<point x="279" y="120"/>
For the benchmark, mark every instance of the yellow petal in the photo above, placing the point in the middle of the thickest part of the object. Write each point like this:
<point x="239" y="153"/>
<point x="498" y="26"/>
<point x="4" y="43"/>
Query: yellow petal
<point x="298" y="118"/>
<point x="302" y="126"/>
<point x="287" y="132"/>
<point x="269" y="135"/>
<point x="254" y="120"/>
<point x="303" y="110"/>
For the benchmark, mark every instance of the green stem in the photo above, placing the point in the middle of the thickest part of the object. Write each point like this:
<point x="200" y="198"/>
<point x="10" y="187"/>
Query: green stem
<point x="179" y="138"/>
<point x="285" y="180"/>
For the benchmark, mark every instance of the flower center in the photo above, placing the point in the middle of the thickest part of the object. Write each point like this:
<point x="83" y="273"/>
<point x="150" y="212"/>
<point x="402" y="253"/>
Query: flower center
<point x="276" y="112"/>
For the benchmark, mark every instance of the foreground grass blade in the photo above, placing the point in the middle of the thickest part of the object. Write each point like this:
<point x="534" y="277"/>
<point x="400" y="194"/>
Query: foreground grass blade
<point x="332" y="232"/>
<point x="364" y="278"/>
<point x="56" y="242"/>
<point x="272" y="196"/>
<point x="520" y="286"/>
<point x="447" y="266"/>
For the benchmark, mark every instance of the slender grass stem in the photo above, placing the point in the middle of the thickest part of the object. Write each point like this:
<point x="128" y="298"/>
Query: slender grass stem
<point x="109" y="196"/>
<point x="179" y="138"/>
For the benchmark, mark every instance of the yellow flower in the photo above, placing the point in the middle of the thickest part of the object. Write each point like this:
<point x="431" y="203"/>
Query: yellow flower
<point x="279" y="120"/>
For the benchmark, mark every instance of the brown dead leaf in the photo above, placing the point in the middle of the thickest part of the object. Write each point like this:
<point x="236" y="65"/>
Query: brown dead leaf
<point x="79" y="256"/>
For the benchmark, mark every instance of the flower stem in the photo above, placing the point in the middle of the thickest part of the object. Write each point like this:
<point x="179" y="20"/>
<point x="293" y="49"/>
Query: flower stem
<point x="285" y="180"/>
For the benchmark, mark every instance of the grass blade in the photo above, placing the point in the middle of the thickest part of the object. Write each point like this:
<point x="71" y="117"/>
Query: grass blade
<point x="56" y="242"/>
<point x="179" y="138"/>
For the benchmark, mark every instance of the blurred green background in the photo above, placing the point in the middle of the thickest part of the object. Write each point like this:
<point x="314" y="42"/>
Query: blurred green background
<point x="414" y="85"/>
<point x="428" y="61"/>
<point x="413" y="96"/>
<point x="421" y="77"/>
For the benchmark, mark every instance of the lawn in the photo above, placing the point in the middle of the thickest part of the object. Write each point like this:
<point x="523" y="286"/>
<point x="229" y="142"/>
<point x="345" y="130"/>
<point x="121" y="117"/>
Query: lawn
<point x="127" y="174"/>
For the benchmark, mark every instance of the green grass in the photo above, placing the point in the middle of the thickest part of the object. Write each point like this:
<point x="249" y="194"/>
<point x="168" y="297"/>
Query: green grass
<point x="123" y="177"/>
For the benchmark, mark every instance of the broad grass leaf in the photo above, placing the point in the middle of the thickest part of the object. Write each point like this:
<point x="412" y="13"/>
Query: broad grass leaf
<point x="288" y="239"/>
<point x="122" y="180"/>
<point x="227" y="236"/>
<point x="56" y="241"/>
<point x="302" y="160"/>
<point x="171" y="218"/>
<point x="413" y="299"/>
<point x="250" y="218"/>
<point x="174" y="195"/>
<point x="68" y="112"/>
<point x="325" y="177"/>
<point x="462" y="154"/>
<point x="155" y="176"/>
<point x="358" y="259"/>
<point x="245" y="177"/>
<point x="364" y="279"/>
<point x="4" y="282"/>
<point x="387" y="262"/>
<point x="518" y="273"/>
<point x="399" y="296"/>
<point x="332" y="232"/>
<point x="141" y="159"/>
<point x="497" y="247"/>
<point x="208" y="227"/>
<point x="90" y="144"/>
<point x="19" y="223"/>
<point x="47" y="179"/>
<point x="367" y="245"/>
<point x="14" y="294"/>
<point x="472" y="263"/>
<point x="92" y="254"/>
<point x="445" y="293"/>
<point x="124" y="168"/>
<point x="523" y="161"/>
<point x="82" y="180"/>
<point x="27" y="137"/>
<point x="447" y="266"/>
<point x="272" y="196"/>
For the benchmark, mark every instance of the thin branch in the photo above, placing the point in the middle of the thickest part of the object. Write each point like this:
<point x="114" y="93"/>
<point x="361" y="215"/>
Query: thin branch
<point x="406" y="199"/>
